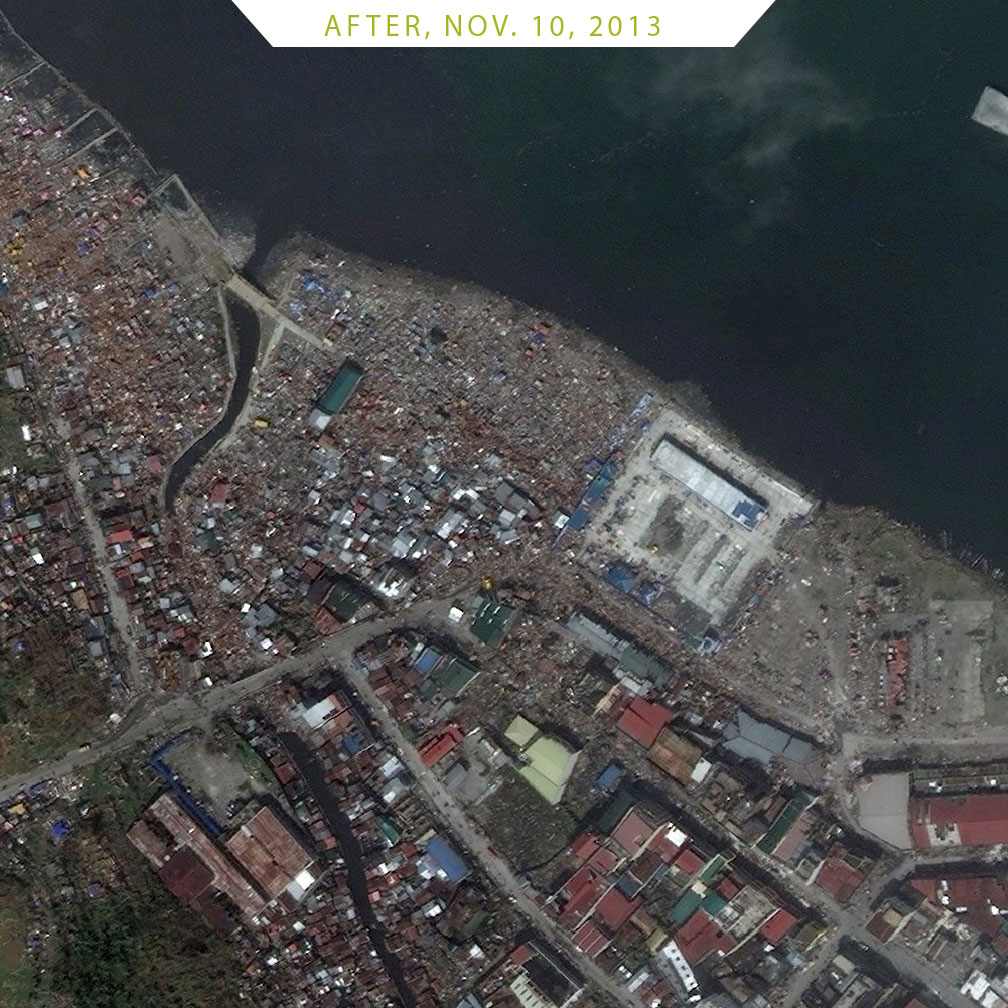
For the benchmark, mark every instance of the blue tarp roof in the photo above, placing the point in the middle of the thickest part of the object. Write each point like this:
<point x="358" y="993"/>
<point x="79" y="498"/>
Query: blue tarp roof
<point x="609" y="777"/>
<point x="447" y="857"/>
<point x="427" y="660"/>
<point x="648" y="592"/>
<point x="621" y="577"/>
<point x="354" y="742"/>
<point x="748" y="513"/>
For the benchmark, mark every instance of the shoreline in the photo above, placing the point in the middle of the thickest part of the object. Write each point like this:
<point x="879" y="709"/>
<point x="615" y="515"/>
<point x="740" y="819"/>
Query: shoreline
<point x="689" y="398"/>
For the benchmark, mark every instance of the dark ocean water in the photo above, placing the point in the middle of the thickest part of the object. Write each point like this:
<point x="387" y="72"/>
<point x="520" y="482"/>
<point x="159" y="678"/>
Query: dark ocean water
<point x="809" y="226"/>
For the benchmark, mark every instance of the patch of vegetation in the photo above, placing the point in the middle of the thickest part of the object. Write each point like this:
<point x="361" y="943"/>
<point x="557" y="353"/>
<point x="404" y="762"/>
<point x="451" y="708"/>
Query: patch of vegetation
<point x="50" y="699"/>
<point x="20" y="983"/>
<point x="526" y="831"/>
<point x="254" y="765"/>
<point x="118" y="793"/>
<point x="13" y="449"/>
<point x="132" y="944"/>
<point x="134" y="947"/>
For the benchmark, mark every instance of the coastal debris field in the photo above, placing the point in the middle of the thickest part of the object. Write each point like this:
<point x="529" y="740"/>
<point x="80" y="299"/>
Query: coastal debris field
<point x="371" y="638"/>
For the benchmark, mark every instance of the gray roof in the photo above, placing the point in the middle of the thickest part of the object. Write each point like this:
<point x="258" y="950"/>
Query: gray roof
<point x="763" y="742"/>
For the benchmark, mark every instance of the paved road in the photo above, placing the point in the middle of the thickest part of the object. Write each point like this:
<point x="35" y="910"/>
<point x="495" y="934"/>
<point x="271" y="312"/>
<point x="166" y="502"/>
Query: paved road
<point x="124" y="623"/>
<point x="848" y="921"/>
<point x="158" y="717"/>
<point x="254" y="298"/>
<point x="466" y="831"/>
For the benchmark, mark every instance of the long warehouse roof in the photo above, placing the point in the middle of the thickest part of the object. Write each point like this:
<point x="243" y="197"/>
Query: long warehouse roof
<point x="705" y="483"/>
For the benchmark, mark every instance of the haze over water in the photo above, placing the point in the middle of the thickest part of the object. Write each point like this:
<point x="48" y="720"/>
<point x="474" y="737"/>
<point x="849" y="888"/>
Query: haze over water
<point x="809" y="226"/>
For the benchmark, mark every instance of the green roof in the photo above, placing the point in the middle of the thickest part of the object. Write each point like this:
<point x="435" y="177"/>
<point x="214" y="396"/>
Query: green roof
<point x="687" y="904"/>
<point x="521" y="731"/>
<point x="713" y="902"/>
<point x="784" y="822"/>
<point x="345" y="381"/>
<point x="549" y="789"/>
<point x="713" y="868"/>
<point x="550" y="762"/>
<point x="454" y="675"/>
<point x="551" y="758"/>
<point x="344" y="600"/>
<point x="492" y="622"/>
<point x="389" y="829"/>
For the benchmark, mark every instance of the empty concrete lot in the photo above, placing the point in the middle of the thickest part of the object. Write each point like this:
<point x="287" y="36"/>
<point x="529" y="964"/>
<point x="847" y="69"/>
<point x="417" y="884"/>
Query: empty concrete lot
<point x="672" y="534"/>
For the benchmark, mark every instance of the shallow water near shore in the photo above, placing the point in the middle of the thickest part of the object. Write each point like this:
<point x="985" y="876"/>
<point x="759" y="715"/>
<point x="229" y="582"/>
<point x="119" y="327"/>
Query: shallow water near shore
<point x="809" y="226"/>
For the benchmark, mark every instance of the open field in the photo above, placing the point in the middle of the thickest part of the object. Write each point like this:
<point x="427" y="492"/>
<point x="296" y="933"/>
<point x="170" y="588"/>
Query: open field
<point x="527" y="832"/>
<point x="49" y="700"/>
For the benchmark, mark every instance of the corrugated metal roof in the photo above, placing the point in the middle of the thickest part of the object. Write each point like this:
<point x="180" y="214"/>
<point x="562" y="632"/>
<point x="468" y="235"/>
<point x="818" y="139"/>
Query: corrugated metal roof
<point x="672" y="460"/>
<point x="340" y="388"/>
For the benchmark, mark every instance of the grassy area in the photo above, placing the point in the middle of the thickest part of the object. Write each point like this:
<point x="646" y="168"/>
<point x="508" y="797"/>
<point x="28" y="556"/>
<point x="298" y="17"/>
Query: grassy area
<point x="118" y="792"/>
<point x="20" y="985"/>
<point x="525" y="830"/>
<point x="133" y="945"/>
<point x="254" y="765"/>
<point x="140" y="947"/>
<point x="50" y="699"/>
<point x="13" y="449"/>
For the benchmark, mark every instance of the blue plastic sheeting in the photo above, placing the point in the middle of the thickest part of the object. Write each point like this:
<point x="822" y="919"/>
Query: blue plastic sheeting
<point x="648" y="592"/>
<point x="609" y="777"/>
<point x="427" y="660"/>
<point x="578" y="520"/>
<point x="596" y="490"/>
<point x="354" y="742"/>
<point x="184" y="798"/>
<point x="59" y="829"/>
<point x="748" y="513"/>
<point x="621" y="578"/>
<point x="447" y="858"/>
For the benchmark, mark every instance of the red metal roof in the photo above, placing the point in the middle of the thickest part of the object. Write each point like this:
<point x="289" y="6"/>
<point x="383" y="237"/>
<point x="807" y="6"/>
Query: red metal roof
<point x="728" y="889"/>
<point x="521" y="955"/>
<point x="615" y="909"/>
<point x="581" y="902"/>
<point x="185" y="875"/>
<point x="839" y="878"/>
<point x="981" y="819"/>
<point x="897" y="659"/>
<point x="688" y="862"/>
<point x="603" y="861"/>
<point x="664" y="847"/>
<point x="643" y="720"/>
<point x="633" y="832"/>
<point x="700" y="936"/>
<point x="590" y="939"/>
<point x="440" y="745"/>
<point x="584" y="846"/>
<point x="778" y="925"/>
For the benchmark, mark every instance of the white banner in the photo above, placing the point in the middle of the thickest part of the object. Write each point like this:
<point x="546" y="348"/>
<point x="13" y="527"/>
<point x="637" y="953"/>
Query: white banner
<point x="505" y="23"/>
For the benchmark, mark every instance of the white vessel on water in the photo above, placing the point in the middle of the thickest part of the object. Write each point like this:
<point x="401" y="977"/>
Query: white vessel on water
<point x="992" y="110"/>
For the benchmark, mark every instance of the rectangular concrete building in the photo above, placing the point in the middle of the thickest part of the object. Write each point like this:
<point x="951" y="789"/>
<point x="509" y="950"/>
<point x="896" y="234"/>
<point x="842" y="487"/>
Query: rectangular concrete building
<point x="673" y="461"/>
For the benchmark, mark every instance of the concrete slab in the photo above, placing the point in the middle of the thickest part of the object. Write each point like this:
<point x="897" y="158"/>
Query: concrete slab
<point x="668" y="532"/>
<point x="882" y="803"/>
